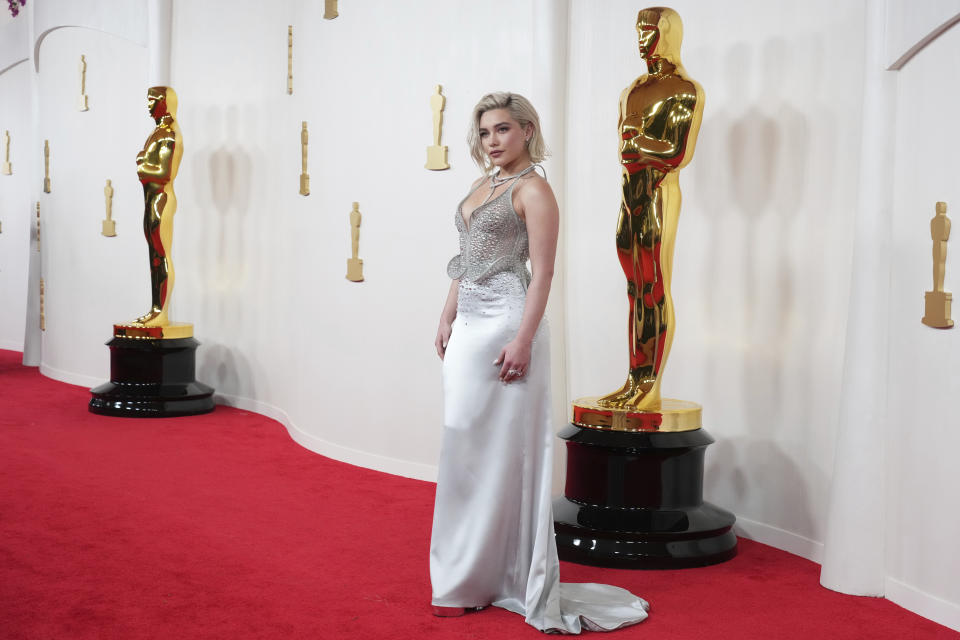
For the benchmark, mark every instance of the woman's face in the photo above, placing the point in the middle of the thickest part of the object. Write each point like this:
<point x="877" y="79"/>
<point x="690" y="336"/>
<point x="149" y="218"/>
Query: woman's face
<point x="502" y="137"/>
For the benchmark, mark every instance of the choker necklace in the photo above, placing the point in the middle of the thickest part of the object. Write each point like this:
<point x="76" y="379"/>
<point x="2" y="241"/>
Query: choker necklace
<point x="496" y="180"/>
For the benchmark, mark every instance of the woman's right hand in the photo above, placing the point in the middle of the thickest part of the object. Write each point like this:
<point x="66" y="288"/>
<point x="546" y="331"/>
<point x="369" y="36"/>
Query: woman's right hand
<point x="443" y="337"/>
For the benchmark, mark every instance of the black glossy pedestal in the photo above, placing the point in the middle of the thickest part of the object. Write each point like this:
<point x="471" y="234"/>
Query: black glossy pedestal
<point x="152" y="378"/>
<point x="634" y="500"/>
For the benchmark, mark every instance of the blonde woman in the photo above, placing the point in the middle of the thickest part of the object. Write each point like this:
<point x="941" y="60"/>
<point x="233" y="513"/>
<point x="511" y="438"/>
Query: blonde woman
<point x="493" y="540"/>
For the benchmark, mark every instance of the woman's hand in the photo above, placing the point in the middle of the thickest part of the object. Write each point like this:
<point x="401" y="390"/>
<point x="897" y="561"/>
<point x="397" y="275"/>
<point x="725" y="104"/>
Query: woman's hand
<point x="514" y="360"/>
<point x="443" y="337"/>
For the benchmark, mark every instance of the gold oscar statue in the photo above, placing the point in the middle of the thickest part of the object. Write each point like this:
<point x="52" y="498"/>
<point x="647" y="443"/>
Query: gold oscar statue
<point x="937" y="302"/>
<point x="633" y="496"/>
<point x="660" y="114"/>
<point x="46" y="166"/>
<point x="437" y="155"/>
<point x="83" y="103"/>
<point x="153" y="360"/>
<point x="355" y="264"/>
<point x="304" y="176"/>
<point x="109" y="226"/>
<point x="7" y="167"/>
<point x="157" y="165"/>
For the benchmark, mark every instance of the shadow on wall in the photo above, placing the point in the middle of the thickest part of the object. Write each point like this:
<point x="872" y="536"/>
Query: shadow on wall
<point x="736" y="467"/>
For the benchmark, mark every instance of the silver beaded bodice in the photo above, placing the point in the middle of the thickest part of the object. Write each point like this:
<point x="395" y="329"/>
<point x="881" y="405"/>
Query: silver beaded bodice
<point x="495" y="242"/>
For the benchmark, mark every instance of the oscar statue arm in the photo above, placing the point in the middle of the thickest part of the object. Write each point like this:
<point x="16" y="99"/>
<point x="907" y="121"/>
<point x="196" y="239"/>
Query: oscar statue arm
<point x="162" y="150"/>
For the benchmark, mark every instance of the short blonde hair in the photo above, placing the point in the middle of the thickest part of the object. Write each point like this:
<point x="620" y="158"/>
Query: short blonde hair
<point x="521" y="110"/>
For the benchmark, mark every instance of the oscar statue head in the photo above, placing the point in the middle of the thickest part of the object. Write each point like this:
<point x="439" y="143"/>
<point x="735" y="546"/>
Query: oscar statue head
<point x="161" y="101"/>
<point x="659" y="33"/>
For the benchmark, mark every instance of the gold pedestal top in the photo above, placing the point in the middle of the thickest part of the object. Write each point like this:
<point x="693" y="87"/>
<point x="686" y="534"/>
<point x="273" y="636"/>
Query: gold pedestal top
<point x="674" y="415"/>
<point x="170" y="331"/>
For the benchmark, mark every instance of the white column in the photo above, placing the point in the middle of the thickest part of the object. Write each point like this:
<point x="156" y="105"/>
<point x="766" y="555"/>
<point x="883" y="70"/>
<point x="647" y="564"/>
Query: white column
<point x="549" y="82"/>
<point x="854" y="544"/>
<point x="159" y="30"/>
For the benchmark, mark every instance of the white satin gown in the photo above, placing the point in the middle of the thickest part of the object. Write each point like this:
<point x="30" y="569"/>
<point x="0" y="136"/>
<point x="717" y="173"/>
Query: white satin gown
<point x="493" y="541"/>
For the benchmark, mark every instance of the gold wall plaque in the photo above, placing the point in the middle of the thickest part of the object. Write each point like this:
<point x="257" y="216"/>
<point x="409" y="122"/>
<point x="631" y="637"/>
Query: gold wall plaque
<point x="7" y="167"/>
<point x="330" y="10"/>
<point x="46" y="166"/>
<point x="436" y="154"/>
<point x="43" y="315"/>
<point x="660" y="115"/>
<point x="304" y="176"/>
<point x="355" y="264"/>
<point x="290" y="59"/>
<point x="937" y="302"/>
<point x="83" y="103"/>
<point x="109" y="227"/>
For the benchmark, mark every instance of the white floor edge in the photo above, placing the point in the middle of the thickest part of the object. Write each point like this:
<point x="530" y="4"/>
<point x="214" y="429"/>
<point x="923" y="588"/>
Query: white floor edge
<point x="904" y="595"/>
<point x="923" y="604"/>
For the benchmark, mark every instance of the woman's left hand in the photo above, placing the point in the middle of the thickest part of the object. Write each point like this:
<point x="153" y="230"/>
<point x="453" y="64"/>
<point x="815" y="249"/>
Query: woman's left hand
<point x="514" y="360"/>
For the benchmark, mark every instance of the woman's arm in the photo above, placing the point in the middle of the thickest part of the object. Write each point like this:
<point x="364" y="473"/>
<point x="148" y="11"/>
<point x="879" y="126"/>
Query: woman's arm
<point x="446" y="319"/>
<point x="542" y="215"/>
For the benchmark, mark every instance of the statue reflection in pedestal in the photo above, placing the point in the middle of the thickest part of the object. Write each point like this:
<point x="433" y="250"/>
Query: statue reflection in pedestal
<point x="660" y="115"/>
<point x="157" y="166"/>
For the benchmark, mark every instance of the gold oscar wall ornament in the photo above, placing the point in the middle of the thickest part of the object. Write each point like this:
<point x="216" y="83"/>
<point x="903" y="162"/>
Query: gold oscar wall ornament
<point x="937" y="302"/>
<point x="437" y="155"/>
<point x="7" y="167"/>
<point x="43" y="315"/>
<point x="109" y="226"/>
<point x="304" y="176"/>
<point x="355" y="264"/>
<point x="290" y="59"/>
<point x="660" y="114"/>
<point x="330" y="9"/>
<point x="46" y="166"/>
<point x="82" y="104"/>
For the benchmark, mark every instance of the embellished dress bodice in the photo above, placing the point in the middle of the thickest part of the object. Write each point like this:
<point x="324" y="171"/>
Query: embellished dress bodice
<point x="494" y="242"/>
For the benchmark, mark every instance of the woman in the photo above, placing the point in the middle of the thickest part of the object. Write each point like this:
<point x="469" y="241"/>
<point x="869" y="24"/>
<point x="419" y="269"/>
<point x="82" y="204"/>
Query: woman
<point x="493" y="540"/>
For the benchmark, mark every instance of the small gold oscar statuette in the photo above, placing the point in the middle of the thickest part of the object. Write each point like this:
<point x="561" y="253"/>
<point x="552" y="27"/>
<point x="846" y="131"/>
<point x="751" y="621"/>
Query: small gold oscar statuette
<point x="7" y="167"/>
<point x="330" y="10"/>
<point x="109" y="225"/>
<point x="290" y="59"/>
<point x="304" y="176"/>
<point x="437" y="155"/>
<point x="83" y="105"/>
<point x="46" y="166"/>
<point x="43" y="316"/>
<point x="937" y="302"/>
<point x="355" y="264"/>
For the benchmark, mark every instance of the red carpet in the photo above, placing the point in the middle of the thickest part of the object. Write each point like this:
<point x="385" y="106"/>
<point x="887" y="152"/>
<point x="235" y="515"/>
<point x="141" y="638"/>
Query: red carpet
<point x="220" y="526"/>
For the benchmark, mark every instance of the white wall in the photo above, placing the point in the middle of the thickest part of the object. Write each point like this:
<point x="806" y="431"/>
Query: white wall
<point x="924" y="386"/>
<point x="763" y="246"/>
<point x="15" y="204"/>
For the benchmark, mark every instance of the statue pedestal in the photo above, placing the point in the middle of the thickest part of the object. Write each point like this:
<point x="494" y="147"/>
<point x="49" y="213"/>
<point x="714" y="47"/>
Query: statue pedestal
<point x="936" y="310"/>
<point x="152" y="378"/>
<point x="634" y="500"/>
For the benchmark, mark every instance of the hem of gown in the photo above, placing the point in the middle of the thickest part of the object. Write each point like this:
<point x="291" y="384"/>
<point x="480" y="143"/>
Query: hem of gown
<point x="585" y="622"/>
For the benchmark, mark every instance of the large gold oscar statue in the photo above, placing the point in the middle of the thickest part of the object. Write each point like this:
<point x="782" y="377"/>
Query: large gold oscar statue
<point x="633" y="496"/>
<point x="660" y="114"/>
<point x="157" y="165"/>
<point x="153" y="360"/>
